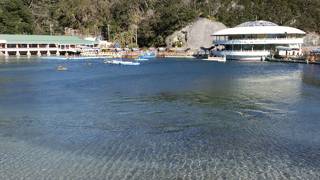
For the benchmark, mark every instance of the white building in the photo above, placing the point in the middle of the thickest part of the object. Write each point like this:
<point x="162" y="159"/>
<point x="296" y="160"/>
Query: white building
<point x="28" y="45"/>
<point x="255" y="40"/>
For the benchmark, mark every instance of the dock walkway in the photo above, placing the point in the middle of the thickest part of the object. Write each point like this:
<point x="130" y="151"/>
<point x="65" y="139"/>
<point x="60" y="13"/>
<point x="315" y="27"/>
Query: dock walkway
<point x="301" y="61"/>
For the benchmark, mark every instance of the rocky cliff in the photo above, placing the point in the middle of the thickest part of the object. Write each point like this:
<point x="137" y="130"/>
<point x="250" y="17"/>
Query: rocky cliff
<point x="195" y="35"/>
<point x="312" y="39"/>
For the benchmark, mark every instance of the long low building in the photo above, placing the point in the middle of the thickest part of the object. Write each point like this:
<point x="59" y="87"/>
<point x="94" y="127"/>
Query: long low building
<point x="256" y="39"/>
<point x="39" y="45"/>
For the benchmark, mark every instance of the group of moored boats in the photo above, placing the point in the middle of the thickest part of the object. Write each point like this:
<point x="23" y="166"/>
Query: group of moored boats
<point x="125" y="62"/>
<point x="135" y="62"/>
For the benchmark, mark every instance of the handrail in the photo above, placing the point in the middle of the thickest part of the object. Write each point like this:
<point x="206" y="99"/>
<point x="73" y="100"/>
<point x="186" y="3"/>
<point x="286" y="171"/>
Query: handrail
<point x="243" y="51"/>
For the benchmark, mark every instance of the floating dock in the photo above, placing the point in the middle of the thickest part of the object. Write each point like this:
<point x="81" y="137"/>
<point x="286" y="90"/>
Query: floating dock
<point x="302" y="61"/>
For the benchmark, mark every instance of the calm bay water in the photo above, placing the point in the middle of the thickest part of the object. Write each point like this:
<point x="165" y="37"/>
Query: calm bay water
<point x="175" y="119"/>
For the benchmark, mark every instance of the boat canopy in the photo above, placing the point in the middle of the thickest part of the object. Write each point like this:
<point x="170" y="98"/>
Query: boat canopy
<point x="316" y="51"/>
<point x="284" y="48"/>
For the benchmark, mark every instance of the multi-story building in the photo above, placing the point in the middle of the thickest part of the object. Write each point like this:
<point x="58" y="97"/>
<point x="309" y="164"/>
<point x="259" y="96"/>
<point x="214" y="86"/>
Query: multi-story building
<point x="255" y="40"/>
<point x="28" y="45"/>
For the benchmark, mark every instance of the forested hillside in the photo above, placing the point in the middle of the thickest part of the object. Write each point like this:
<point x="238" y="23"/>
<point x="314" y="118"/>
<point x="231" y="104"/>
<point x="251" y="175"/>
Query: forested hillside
<point x="154" y="19"/>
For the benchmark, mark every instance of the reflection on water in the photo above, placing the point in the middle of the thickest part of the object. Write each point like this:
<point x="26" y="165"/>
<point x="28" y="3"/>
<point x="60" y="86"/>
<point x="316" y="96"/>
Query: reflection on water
<point x="311" y="75"/>
<point x="161" y="120"/>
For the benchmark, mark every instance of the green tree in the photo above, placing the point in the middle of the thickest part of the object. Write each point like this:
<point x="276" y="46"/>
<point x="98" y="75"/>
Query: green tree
<point x="154" y="19"/>
<point x="15" y="17"/>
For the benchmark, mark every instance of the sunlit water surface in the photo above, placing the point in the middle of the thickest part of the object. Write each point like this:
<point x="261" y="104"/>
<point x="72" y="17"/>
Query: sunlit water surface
<point x="173" y="119"/>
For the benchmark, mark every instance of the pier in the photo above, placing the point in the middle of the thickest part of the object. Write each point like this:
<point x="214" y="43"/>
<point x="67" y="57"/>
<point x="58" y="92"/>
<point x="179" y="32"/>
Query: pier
<point x="301" y="61"/>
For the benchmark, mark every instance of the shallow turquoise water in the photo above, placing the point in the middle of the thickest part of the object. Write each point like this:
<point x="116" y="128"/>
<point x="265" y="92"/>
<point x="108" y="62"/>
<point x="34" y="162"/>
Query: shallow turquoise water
<point x="175" y="119"/>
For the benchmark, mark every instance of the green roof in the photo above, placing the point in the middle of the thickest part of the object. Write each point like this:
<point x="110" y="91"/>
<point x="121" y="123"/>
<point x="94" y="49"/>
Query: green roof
<point x="43" y="39"/>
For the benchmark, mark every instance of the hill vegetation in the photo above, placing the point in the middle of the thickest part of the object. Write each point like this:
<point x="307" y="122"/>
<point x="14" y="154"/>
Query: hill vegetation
<point x="154" y="20"/>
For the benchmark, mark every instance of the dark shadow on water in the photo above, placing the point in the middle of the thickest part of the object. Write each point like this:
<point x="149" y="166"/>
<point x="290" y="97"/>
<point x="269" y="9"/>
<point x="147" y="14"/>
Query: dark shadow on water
<point x="311" y="75"/>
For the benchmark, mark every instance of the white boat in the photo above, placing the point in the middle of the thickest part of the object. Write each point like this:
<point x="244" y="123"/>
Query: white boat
<point x="62" y="68"/>
<point x="130" y="63"/>
<point x="118" y="62"/>
<point x="141" y="59"/>
<point x="112" y="62"/>
<point x="216" y="58"/>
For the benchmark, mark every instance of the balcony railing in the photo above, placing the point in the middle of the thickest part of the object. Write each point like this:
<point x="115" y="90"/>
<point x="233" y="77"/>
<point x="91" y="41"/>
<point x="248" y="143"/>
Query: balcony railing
<point x="12" y="49"/>
<point x="261" y="41"/>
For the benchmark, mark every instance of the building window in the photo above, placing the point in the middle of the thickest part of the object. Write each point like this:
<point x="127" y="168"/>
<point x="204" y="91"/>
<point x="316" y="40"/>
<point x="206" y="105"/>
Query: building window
<point x="12" y="46"/>
<point x="247" y="47"/>
<point x="259" y="47"/>
<point x="23" y="45"/>
<point x="237" y="47"/>
<point x="33" y="45"/>
<point x="228" y="47"/>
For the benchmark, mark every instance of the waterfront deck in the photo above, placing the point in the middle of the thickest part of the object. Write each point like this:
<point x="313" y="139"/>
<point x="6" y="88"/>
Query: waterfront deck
<point x="302" y="61"/>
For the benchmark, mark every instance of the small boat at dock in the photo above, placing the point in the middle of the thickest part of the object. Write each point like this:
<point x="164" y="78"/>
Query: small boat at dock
<point x="141" y="59"/>
<point x="148" y="54"/>
<point x="216" y="58"/>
